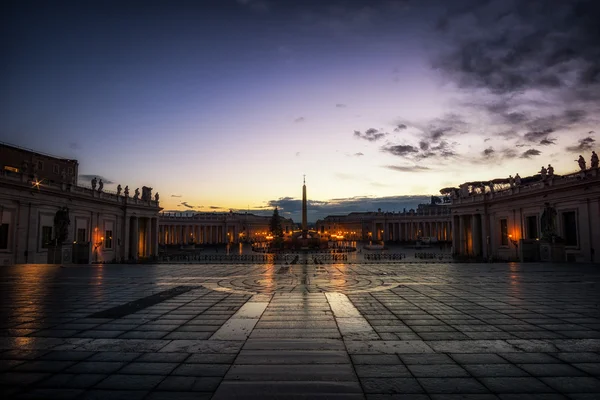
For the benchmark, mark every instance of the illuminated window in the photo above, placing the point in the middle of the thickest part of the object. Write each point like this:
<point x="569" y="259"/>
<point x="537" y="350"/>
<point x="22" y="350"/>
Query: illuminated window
<point x="3" y="236"/>
<point x="504" y="232"/>
<point x="46" y="236"/>
<point x="108" y="239"/>
<point x="11" y="169"/>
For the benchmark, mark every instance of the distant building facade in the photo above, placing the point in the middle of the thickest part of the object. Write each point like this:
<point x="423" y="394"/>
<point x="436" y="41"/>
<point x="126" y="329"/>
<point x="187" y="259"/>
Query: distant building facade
<point x="99" y="226"/>
<point x="44" y="167"/>
<point x="216" y="228"/>
<point x="431" y="221"/>
<point x="531" y="219"/>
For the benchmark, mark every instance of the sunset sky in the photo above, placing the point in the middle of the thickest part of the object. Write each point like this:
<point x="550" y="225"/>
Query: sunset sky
<point x="227" y="104"/>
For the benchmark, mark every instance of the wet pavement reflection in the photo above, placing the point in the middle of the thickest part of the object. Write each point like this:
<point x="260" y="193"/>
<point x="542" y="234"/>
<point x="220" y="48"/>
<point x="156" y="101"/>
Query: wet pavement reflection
<point x="321" y="330"/>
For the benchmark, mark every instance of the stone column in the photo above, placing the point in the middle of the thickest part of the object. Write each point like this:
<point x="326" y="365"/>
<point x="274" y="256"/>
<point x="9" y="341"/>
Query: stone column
<point x="155" y="237"/>
<point x="484" y="235"/>
<point x="476" y="235"/>
<point x="148" y="238"/>
<point x="135" y="237"/>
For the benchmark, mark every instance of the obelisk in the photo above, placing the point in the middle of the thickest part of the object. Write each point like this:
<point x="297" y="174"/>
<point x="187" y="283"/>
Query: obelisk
<point x="304" y="223"/>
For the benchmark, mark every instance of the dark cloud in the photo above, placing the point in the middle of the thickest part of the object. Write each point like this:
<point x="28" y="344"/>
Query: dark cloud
<point x="400" y="127"/>
<point x="510" y="42"/>
<point x="175" y="195"/>
<point x="371" y="134"/>
<point x="585" y="144"/>
<point x="185" y="204"/>
<point x="299" y="119"/>
<point x="488" y="152"/>
<point x="359" y="154"/>
<point x="509" y="153"/>
<point x="215" y="207"/>
<point x="529" y="65"/>
<point x="400" y="150"/>
<point x="537" y="135"/>
<point x="340" y="105"/>
<point x="292" y="207"/>
<point x="410" y="168"/>
<point x="530" y="153"/>
<point x="547" y="141"/>
<point x="423" y="145"/>
<point x="88" y="178"/>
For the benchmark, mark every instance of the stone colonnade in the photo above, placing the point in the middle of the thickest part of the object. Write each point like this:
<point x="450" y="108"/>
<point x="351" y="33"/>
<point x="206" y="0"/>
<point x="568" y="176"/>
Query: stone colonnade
<point x="412" y="230"/>
<point x="183" y="234"/>
<point x="141" y="237"/>
<point x="471" y="233"/>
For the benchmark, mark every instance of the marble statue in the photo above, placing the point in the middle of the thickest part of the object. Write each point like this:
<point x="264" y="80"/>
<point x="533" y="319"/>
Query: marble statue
<point x="146" y="193"/>
<point x="581" y="162"/>
<point x="61" y="225"/>
<point x="136" y="194"/>
<point x="517" y="180"/>
<point x="594" y="160"/>
<point x="511" y="180"/>
<point x="550" y="171"/>
<point x="548" y="222"/>
<point x="119" y="190"/>
<point x="94" y="182"/>
<point x="100" y="185"/>
<point x="156" y="197"/>
<point x="126" y="191"/>
<point x="543" y="172"/>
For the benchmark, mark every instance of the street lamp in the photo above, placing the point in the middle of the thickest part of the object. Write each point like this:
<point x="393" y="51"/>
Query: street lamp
<point x="515" y="243"/>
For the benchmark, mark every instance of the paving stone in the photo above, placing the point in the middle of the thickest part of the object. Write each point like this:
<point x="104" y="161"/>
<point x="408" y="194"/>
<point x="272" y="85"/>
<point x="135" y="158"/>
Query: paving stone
<point x="579" y="357"/>
<point x="189" y="383"/>
<point x="279" y="390"/>
<point x="21" y="378"/>
<point x="95" y="367"/>
<point x="77" y="381"/>
<point x="551" y="370"/>
<point x="573" y="384"/>
<point x="376" y="359"/>
<point x="146" y="368"/>
<point x="494" y="370"/>
<point x="391" y="385"/>
<point x="515" y="385"/>
<point x="43" y="366"/>
<point x="187" y="369"/>
<point x="163" y="357"/>
<point x="130" y="382"/>
<point x="452" y="385"/>
<point x="67" y="355"/>
<point x="114" y="394"/>
<point x="437" y="370"/>
<point x="382" y="371"/>
<point x="484" y="358"/>
<point x="426" y="359"/>
<point x="322" y="372"/>
<point x="58" y="394"/>
<point x="291" y="357"/>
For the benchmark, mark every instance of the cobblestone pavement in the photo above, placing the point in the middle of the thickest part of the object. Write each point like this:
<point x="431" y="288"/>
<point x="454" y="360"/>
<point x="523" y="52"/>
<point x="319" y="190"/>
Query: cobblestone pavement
<point x="375" y="331"/>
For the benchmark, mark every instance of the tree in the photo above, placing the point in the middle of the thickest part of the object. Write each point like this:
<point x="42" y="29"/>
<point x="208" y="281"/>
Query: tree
<point x="275" y="224"/>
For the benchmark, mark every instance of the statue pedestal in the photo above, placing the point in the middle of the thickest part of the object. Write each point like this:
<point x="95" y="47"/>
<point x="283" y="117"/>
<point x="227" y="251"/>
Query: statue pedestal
<point x="529" y="250"/>
<point x="60" y="254"/>
<point x="552" y="252"/>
